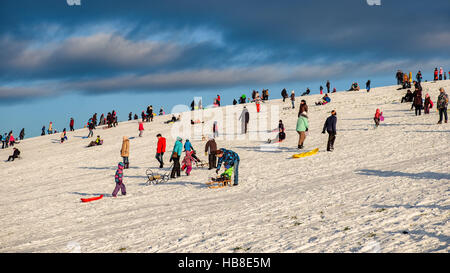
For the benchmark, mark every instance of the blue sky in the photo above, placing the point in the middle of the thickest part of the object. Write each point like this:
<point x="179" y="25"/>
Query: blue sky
<point x="58" y="61"/>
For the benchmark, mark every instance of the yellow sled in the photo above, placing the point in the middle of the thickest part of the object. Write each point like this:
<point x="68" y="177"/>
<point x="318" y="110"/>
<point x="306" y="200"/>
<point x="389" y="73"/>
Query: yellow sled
<point x="313" y="152"/>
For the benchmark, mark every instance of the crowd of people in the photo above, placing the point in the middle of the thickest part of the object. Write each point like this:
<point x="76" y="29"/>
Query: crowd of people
<point x="183" y="156"/>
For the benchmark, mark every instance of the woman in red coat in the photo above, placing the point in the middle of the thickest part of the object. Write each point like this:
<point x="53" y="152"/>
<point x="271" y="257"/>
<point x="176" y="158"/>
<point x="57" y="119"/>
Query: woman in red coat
<point x="160" y="150"/>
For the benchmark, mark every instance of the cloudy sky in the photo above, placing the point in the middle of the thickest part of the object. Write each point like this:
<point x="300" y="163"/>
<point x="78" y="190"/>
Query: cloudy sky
<point x="51" y="51"/>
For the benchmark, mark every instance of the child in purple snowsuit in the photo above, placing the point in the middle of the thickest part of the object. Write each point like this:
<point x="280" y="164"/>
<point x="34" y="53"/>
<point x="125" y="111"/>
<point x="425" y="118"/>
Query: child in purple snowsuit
<point x="119" y="181"/>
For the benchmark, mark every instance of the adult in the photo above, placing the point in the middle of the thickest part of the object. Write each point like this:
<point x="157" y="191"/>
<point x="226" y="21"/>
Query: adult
<point x="419" y="76"/>
<point x="258" y="102"/>
<point x="15" y="154"/>
<point x="418" y="101"/>
<point x="245" y="117"/>
<point x="22" y="134"/>
<point x="408" y="97"/>
<point x="303" y="107"/>
<point x="436" y="72"/>
<point x="175" y="156"/>
<point x="399" y="77"/>
<point x="442" y="104"/>
<point x="71" y="123"/>
<point x="368" y="85"/>
<point x="306" y="92"/>
<point x="284" y="94"/>
<point x="293" y="99"/>
<point x="91" y="128"/>
<point x="234" y="101"/>
<point x="302" y="128"/>
<point x="125" y="152"/>
<point x="43" y="131"/>
<point x="160" y="149"/>
<point x="328" y="86"/>
<point x="210" y="150"/>
<point x="215" y="129"/>
<point x="330" y="127"/>
<point x="229" y="158"/>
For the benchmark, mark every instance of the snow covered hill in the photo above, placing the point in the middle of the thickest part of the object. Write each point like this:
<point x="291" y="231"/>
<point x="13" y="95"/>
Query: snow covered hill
<point x="384" y="189"/>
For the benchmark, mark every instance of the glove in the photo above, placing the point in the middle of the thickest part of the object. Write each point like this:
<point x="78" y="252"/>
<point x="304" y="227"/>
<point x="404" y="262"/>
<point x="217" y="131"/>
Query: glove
<point x="217" y="171"/>
<point x="306" y="129"/>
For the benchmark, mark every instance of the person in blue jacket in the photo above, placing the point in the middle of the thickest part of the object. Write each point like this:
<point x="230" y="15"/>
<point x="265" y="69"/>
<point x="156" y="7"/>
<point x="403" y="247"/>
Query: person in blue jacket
<point x="330" y="127"/>
<point x="229" y="158"/>
<point x="176" y="154"/>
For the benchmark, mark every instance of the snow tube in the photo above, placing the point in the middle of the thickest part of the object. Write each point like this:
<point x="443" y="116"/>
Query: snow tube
<point x="315" y="151"/>
<point x="84" y="200"/>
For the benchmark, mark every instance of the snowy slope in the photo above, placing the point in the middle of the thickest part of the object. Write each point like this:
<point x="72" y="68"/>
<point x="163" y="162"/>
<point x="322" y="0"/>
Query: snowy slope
<point x="384" y="189"/>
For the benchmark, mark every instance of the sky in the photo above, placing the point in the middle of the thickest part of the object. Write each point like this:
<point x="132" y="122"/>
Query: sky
<point x="59" y="61"/>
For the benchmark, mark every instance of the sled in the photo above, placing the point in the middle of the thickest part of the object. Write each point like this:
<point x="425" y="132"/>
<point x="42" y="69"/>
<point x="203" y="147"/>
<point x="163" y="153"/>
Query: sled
<point x="84" y="200"/>
<point x="218" y="184"/>
<point x="201" y="164"/>
<point x="157" y="178"/>
<point x="313" y="152"/>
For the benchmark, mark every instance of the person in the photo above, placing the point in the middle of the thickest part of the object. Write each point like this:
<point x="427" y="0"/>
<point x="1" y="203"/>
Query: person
<point x="303" y="107"/>
<point x="12" y="141"/>
<point x="436" y="74"/>
<point x="330" y="127"/>
<point x="441" y="71"/>
<point x="306" y="92"/>
<point x="226" y="175"/>
<point x="281" y="134"/>
<point x="15" y="154"/>
<point x="258" y="102"/>
<point x="50" y="129"/>
<point x="130" y="115"/>
<point x="97" y="142"/>
<point x="173" y="119"/>
<point x="160" y="149"/>
<point x="161" y="111"/>
<point x="321" y="90"/>
<point x="230" y="158"/>
<point x="210" y="150"/>
<point x="245" y="117"/>
<point x="334" y="90"/>
<point x="399" y="77"/>
<point x="442" y="104"/>
<point x="218" y="100"/>
<point x="43" y="131"/>
<point x="408" y="97"/>
<point x="284" y="94"/>
<point x="293" y="99"/>
<point x="188" y="145"/>
<point x="192" y="105"/>
<point x="242" y="99"/>
<point x="254" y="95"/>
<point x="125" y="152"/>
<point x="428" y="104"/>
<point x="150" y="113"/>
<point x="234" y="102"/>
<point x="328" y="86"/>
<point x="197" y="121"/>
<point x="215" y="129"/>
<point x="91" y="128"/>
<point x="22" y="134"/>
<point x="135" y="117"/>
<point x="187" y="162"/>
<point x="143" y="116"/>
<point x="118" y="178"/>
<point x="354" y="87"/>
<point x="175" y="156"/>
<point x="377" y="117"/>
<point x="5" y="141"/>
<point x="418" y="101"/>
<point x="419" y="76"/>
<point x="368" y="85"/>
<point x="71" y="123"/>
<point x="302" y="128"/>
<point x="63" y="136"/>
<point x="325" y="100"/>
<point x="141" y="128"/>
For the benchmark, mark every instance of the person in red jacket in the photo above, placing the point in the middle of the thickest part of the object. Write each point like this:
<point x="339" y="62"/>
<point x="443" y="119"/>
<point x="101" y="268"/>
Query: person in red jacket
<point x="141" y="128"/>
<point x="160" y="150"/>
<point x="377" y="117"/>
<point x="71" y="124"/>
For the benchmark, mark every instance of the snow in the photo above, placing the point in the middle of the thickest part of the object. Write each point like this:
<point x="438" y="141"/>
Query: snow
<point x="384" y="189"/>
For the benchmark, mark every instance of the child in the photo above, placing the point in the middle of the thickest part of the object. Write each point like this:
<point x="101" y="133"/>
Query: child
<point x="119" y="181"/>
<point x="141" y="128"/>
<point x="187" y="162"/>
<point x="428" y="104"/>
<point x="226" y="175"/>
<point x="377" y="117"/>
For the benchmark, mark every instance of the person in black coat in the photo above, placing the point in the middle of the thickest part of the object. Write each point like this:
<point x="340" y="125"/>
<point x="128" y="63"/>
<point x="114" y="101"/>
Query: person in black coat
<point x="15" y="154"/>
<point x="330" y="127"/>
<point x="284" y="94"/>
<point x="22" y="134"/>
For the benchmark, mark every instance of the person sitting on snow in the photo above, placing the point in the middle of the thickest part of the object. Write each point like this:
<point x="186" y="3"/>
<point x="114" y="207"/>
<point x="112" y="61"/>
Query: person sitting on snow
<point x="324" y="101"/>
<point x="354" y="87"/>
<point x="226" y="175"/>
<point x="15" y="154"/>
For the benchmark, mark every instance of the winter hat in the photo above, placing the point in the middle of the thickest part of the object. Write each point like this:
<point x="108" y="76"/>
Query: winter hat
<point x="292" y="92"/>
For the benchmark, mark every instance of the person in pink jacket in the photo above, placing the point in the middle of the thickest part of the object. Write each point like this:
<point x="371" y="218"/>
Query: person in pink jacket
<point x="187" y="162"/>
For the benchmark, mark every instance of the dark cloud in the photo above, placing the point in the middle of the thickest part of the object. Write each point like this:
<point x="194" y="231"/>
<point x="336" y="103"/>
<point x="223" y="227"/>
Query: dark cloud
<point x="104" y="46"/>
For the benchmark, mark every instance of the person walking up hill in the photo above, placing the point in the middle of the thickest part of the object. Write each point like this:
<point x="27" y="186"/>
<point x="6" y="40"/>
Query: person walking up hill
<point x="330" y="127"/>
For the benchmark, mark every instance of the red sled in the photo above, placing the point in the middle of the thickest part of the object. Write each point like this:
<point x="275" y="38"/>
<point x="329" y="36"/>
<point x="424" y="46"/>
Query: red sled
<point x="84" y="200"/>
